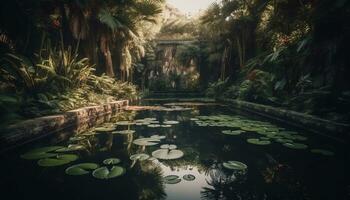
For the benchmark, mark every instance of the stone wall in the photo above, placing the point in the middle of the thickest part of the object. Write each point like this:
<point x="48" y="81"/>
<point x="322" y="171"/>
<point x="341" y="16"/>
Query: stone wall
<point x="31" y="129"/>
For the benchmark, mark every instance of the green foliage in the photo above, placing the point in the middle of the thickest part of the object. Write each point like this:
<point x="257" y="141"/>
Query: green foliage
<point x="59" y="82"/>
<point x="216" y="89"/>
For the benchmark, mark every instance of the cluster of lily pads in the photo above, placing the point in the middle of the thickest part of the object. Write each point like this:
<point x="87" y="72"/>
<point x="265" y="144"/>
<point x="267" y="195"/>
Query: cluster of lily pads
<point x="51" y="156"/>
<point x="166" y="151"/>
<point x="154" y="123"/>
<point x="110" y="170"/>
<point x="157" y="108"/>
<point x="174" y="179"/>
<point x="268" y="132"/>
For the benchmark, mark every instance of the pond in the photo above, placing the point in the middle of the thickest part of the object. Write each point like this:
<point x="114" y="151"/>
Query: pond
<point x="179" y="151"/>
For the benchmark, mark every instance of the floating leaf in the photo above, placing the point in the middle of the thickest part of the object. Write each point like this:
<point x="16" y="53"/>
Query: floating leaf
<point x="158" y="137"/>
<point x="229" y="132"/>
<point x="81" y="169"/>
<point x="235" y="165"/>
<point x="104" y="129"/>
<point x="71" y="147"/>
<point x="166" y="154"/>
<point x="146" y="141"/>
<point x="38" y="155"/>
<point x="168" y="146"/>
<point x="124" y="123"/>
<point x="42" y="152"/>
<point x="170" y="122"/>
<point x="295" y="145"/>
<point x="153" y="125"/>
<point x="105" y="173"/>
<point x="189" y="177"/>
<point x="124" y="132"/>
<point x="76" y="138"/>
<point x="166" y="126"/>
<point x="322" y="152"/>
<point x="257" y="141"/>
<point x="59" y="160"/>
<point x="139" y="156"/>
<point x="171" y="179"/>
<point x="111" y="161"/>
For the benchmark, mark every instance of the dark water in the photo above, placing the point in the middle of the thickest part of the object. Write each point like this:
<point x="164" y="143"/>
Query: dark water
<point x="274" y="171"/>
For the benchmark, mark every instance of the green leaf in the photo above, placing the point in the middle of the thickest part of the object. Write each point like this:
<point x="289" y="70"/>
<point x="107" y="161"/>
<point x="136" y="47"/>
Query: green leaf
<point x="81" y="169"/>
<point x="105" y="173"/>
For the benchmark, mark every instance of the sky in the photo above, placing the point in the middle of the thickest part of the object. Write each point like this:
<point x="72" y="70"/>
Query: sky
<point x="190" y="6"/>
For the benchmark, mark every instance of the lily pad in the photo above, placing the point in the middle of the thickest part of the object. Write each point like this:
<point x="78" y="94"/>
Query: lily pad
<point x="295" y="145"/>
<point x="172" y="179"/>
<point x="158" y="137"/>
<point x="124" y="123"/>
<point x="229" y="132"/>
<point x="77" y="138"/>
<point x="257" y="141"/>
<point x="38" y="155"/>
<point x="168" y="146"/>
<point x="81" y="169"/>
<point x="235" y="165"/>
<point x="146" y="141"/>
<point x="124" y="132"/>
<point x="166" y="154"/>
<point x="189" y="177"/>
<point x="165" y="126"/>
<point x="322" y="152"/>
<point x="58" y="160"/>
<point x="139" y="156"/>
<point x="42" y="152"/>
<point x="111" y="161"/>
<point x="153" y="125"/>
<point x="104" y="129"/>
<point x="105" y="173"/>
<point x="170" y="122"/>
<point x="71" y="147"/>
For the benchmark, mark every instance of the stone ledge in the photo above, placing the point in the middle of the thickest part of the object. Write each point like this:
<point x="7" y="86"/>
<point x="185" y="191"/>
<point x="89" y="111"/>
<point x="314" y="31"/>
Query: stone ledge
<point x="28" y="130"/>
<point x="313" y="123"/>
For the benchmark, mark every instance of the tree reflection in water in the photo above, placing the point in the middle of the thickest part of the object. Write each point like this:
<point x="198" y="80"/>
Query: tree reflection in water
<point x="227" y="186"/>
<point x="148" y="180"/>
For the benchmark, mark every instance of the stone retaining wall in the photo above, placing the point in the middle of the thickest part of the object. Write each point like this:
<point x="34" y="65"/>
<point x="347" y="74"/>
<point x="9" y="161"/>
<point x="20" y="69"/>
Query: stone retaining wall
<point x="28" y="130"/>
<point x="310" y="122"/>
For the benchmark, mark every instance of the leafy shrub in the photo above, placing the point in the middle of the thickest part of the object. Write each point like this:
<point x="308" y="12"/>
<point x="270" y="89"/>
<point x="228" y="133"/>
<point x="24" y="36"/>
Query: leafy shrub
<point x="59" y="82"/>
<point x="257" y="87"/>
<point x="216" y="89"/>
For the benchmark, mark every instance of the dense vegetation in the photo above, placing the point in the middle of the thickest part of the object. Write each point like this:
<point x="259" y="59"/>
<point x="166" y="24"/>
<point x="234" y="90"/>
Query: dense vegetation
<point x="283" y="53"/>
<point x="58" y="55"/>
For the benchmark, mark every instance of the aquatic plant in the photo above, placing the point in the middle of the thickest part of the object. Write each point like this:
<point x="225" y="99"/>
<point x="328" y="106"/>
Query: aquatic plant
<point x="295" y="145"/>
<point x="124" y="132"/>
<point x="234" y="165"/>
<point x="230" y="132"/>
<point x="104" y="129"/>
<point x="81" y="169"/>
<point x="146" y="141"/>
<point x="257" y="141"/>
<point x="57" y="160"/>
<point x="71" y="147"/>
<point x="322" y="152"/>
<point x="167" y="152"/>
<point x="106" y="173"/>
<point x="111" y="161"/>
<point x="39" y="153"/>
<point x="171" y="179"/>
<point x="189" y="177"/>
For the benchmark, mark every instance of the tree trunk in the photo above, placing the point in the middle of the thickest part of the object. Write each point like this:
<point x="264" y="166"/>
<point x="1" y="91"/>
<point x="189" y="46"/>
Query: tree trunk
<point x="107" y="56"/>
